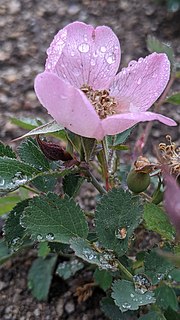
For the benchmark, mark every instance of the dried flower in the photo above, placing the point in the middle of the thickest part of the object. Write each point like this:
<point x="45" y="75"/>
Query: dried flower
<point x="171" y="156"/>
<point x="80" y="88"/>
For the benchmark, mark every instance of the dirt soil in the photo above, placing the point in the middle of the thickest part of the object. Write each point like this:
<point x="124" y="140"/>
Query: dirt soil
<point x="27" y="28"/>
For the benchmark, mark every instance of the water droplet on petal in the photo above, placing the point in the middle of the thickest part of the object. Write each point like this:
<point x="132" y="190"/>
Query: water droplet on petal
<point x="85" y="37"/>
<point x="103" y="49"/>
<point x="140" y="60"/>
<point x="83" y="47"/>
<point x="72" y="53"/>
<point x="139" y="81"/>
<point x="132" y="63"/>
<point x="110" y="58"/>
<point x="63" y="97"/>
<point x="93" y="62"/>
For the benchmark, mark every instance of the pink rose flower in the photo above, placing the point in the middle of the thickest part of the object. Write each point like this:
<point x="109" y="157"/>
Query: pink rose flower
<point x="81" y="90"/>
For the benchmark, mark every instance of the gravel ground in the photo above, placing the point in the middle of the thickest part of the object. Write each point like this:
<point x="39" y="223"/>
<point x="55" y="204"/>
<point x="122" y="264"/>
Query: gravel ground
<point x="27" y="28"/>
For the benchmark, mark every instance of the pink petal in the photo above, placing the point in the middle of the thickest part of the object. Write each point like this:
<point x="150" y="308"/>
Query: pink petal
<point x="121" y="122"/>
<point x="68" y="106"/>
<point x="172" y="200"/>
<point x="139" y="85"/>
<point x="81" y="55"/>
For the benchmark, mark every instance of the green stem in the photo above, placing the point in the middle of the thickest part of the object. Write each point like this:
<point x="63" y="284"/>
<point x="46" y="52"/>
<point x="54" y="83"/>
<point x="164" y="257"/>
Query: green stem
<point x="95" y="183"/>
<point x="105" y="156"/>
<point x="30" y="189"/>
<point x="125" y="271"/>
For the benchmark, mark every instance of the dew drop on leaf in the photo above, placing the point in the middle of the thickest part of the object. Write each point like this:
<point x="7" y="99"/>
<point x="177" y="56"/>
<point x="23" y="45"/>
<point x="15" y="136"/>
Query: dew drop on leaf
<point x="50" y="237"/>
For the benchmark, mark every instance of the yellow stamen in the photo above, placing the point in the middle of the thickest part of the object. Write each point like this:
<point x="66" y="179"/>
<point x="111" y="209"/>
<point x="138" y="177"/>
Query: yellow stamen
<point x="102" y="102"/>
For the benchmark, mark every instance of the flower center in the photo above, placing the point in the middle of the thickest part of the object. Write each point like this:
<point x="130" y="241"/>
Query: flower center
<point x="102" y="102"/>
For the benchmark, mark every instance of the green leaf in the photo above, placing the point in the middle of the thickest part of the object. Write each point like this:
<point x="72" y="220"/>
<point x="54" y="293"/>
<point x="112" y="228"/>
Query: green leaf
<point x="111" y="310"/>
<point x="85" y="251"/>
<point x="89" y="145"/>
<point x="156" y="220"/>
<point x="120" y="137"/>
<point x="126" y="298"/>
<point x="171" y="314"/>
<point x="30" y="153"/>
<point x="153" y="315"/>
<point x="27" y="123"/>
<point x="14" y="173"/>
<point x="174" y="99"/>
<point x="103" y="278"/>
<point x="40" y="276"/>
<point x="154" y="45"/>
<point x="119" y="147"/>
<point x="6" y="151"/>
<point x="43" y="129"/>
<point x="119" y="213"/>
<point x="166" y="297"/>
<point x="52" y="218"/>
<point x="7" y="203"/>
<point x="174" y="275"/>
<point x="72" y="184"/>
<point x="68" y="269"/>
<point x="156" y="267"/>
<point x="5" y="253"/>
<point x="15" y="234"/>
<point x="43" y="249"/>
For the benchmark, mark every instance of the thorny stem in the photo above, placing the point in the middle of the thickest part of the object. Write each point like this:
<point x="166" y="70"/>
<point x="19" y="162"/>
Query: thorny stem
<point x="125" y="271"/>
<point x="105" y="156"/>
<point x="95" y="183"/>
<point x="30" y="189"/>
<point x="157" y="106"/>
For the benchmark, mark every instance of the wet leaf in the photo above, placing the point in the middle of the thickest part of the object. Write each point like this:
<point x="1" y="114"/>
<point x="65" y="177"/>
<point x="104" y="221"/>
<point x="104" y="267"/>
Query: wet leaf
<point x="111" y="310"/>
<point x="68" y="269"/>
<point x="156" y="267"/>
<point x="156" y="220"/>
<point x="6" y="151"/>
<point x="51" y="218"/>
<point x="103" y="278"/>
<point x="166" y="297"/>
<point x="126" y="298"/>
<point x="40" y="276"/>
<point x="15" y="234"/>
<point x="116" y="217"/>
<point x="84" y="250"/>
<point x="14" y="173"/>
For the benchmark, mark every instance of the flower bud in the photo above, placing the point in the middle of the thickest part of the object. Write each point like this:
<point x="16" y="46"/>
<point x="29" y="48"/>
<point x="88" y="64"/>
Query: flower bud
<point x="138" y="181"/>
<point x="53" y="151"/>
